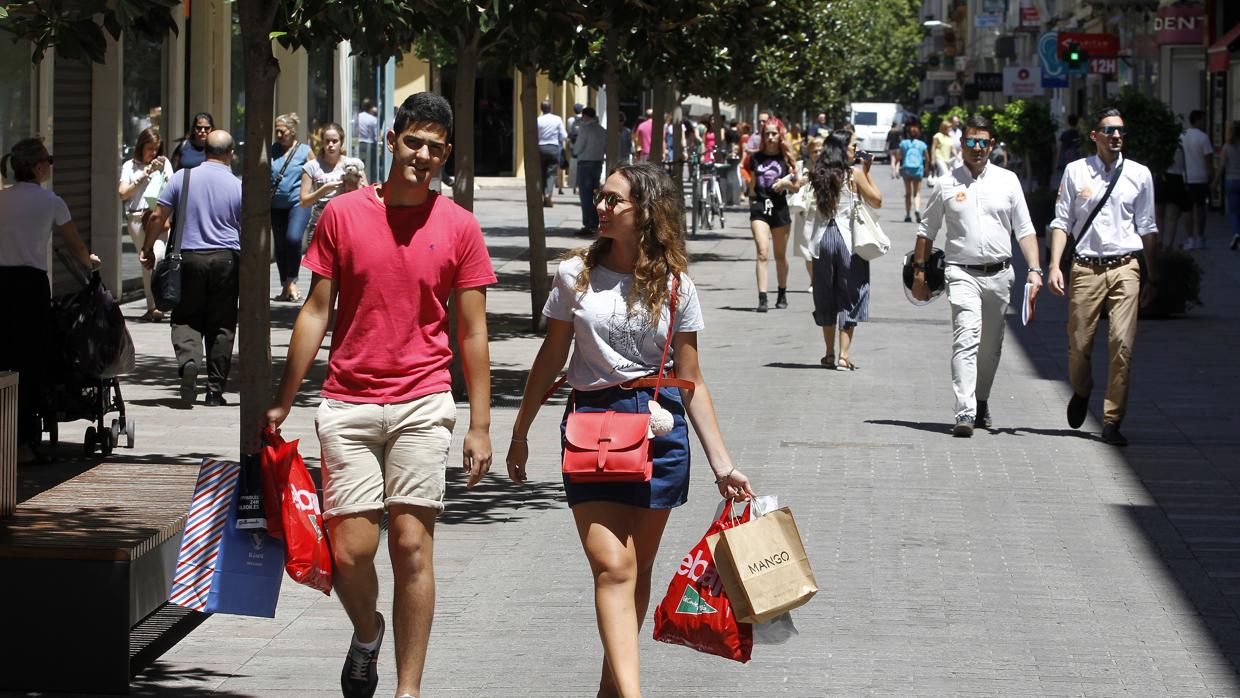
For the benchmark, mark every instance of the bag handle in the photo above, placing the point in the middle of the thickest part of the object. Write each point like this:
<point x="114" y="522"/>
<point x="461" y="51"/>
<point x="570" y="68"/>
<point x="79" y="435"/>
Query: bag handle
<point x="667" y="343"/>
<point x="174" y="240"/>
<point x="1101" y="202"/>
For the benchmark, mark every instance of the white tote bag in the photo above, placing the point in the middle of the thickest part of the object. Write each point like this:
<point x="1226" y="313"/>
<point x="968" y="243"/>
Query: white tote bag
<point x="869" y="240"/>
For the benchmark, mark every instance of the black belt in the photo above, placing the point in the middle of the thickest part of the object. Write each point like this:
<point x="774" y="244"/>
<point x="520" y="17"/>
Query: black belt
<point x="1105" y="262"/>
<point x="987" y="268"/>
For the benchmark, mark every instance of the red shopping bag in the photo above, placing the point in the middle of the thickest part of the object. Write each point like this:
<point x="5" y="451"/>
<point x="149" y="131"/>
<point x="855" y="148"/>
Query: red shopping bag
<point x="696" y="612"/>
<point x="291" y="500"/>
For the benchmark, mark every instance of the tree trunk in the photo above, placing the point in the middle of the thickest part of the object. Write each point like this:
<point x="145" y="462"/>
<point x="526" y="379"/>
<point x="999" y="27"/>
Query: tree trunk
<point x="539" y="286"/>
<point x="612" y="81"/>
<point x="656" y="120"/>
<point x="463" y="116"/>
<point x="254" y="311"/>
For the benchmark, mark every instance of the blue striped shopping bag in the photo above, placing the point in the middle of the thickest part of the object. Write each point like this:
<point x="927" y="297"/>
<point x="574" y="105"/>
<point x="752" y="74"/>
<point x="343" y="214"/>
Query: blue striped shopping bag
<point x="221" y="569"/>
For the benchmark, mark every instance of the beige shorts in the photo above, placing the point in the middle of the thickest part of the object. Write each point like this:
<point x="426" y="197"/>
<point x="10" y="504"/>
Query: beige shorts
<point x="378" y="455"/>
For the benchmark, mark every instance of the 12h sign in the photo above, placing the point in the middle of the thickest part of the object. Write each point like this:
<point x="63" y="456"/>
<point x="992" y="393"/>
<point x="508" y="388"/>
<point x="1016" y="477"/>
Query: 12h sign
<point x="1103" y="66"/>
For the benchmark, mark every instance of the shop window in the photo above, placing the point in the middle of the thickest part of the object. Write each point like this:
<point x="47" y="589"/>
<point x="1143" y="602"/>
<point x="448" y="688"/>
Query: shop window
<point x="320" y="85"/>
<point x="143" y="93"/>
<point x="17" y="84"/>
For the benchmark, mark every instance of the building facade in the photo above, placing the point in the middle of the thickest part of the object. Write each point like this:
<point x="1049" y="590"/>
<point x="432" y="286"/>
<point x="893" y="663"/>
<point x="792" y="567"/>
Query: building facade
<point x="89" y="115"/>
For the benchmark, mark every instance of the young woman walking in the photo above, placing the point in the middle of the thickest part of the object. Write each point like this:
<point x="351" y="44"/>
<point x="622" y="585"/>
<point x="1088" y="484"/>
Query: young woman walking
<point x="610" y="303"/>
<point x="324" y="177"/>
<point x="772" y="176"/>
<point x="841" y="278"/>
<point x="912" y="169"/>
<point x="142" y="178"/>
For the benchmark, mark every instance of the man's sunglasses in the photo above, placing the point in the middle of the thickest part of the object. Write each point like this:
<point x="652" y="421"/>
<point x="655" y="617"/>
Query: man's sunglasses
<point x="977" y="142"/>
<point x="613" y="199"/>
<point x="1112" y="130"/>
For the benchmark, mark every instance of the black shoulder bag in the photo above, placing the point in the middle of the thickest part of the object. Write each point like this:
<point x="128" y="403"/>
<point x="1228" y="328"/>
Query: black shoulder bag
<point x="166" y="279"/>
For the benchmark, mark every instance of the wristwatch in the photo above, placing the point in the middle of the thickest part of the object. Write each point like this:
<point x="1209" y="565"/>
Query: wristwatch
<point x="1036" y="271"/>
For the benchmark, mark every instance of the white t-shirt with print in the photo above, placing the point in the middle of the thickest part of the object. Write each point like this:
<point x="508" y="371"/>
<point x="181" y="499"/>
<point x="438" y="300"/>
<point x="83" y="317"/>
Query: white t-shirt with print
<point x="319" y="176"/>
<point x="610" y="344"/>
<point x="28" y="213"/>
<point x="131" y="171"/>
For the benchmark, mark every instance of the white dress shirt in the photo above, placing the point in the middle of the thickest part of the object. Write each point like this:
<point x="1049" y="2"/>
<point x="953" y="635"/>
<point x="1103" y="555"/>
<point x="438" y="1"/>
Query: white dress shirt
<point x="1127" y="215"/>
<point x="981" y="215"/>
<point x="551" y="130"/>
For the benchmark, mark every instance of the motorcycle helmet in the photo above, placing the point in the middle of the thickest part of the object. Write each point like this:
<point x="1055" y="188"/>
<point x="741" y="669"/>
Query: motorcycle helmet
<point x="935" y="276"/>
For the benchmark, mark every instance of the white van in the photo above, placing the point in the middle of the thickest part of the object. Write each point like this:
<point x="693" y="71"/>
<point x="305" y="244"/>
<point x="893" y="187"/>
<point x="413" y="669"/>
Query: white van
<point x="872" y="121"/>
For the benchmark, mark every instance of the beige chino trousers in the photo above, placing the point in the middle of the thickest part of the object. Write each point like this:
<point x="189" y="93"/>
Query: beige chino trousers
<point x="1091" y="289"/>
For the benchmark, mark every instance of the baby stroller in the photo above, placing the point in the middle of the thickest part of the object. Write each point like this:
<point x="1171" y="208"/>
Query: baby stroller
<point x="93" y="347"/>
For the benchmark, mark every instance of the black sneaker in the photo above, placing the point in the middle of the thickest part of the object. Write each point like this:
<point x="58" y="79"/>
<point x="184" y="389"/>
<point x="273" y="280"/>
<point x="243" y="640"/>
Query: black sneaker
<point x="189" y="383"/>
<point x="918" y="214"/>
<point x="762" y="306"/>
<point x="1078" y="407"/>
<point x="1111" y="435"/>
<point x="908" y="219"/>
<point x="781" y="299"/>
<point x="360" y="675"/>
<point x="964" y="427"/>
<point x="982" y="420"/>
<point x="214" y="399"/>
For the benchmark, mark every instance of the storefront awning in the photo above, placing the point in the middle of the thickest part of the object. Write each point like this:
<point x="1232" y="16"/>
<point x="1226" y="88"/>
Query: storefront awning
<point x="1219" y="53"/>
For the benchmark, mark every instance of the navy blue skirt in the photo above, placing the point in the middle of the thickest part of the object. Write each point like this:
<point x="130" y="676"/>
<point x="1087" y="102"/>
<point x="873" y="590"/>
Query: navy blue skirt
<point x="669" y="484"/>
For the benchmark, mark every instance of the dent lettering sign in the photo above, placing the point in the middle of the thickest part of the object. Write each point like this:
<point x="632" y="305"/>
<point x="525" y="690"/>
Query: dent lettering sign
<point x="1181" y="23"/>
<point x="1022" y="82"/>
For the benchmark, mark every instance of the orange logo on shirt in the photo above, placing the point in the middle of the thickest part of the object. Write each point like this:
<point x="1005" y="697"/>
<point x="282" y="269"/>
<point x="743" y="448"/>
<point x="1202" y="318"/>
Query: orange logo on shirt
<point x="1086" y="193"/>
<point x="960" y="197"/>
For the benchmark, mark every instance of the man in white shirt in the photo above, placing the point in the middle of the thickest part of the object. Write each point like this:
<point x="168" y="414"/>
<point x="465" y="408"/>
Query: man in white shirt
<point x="982" y="206"/>
<point x="1105" y="272"/>
<point x="1198" y="165"/>
<point x="551" y="137"/>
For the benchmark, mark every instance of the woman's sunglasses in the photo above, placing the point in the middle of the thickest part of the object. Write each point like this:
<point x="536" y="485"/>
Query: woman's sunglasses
<point x="613" y="199"/>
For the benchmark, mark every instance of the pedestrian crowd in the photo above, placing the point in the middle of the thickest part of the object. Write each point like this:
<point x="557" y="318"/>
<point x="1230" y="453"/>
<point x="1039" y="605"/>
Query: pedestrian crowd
<point x="387" y="259"/>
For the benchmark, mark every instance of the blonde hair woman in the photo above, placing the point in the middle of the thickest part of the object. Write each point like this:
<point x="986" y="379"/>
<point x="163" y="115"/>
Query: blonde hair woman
<point x="288" y="216"/>
<point x="610" y="303"/>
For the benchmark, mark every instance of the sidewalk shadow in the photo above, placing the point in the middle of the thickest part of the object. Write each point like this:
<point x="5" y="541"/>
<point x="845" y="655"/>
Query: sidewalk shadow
<point x="496" y="499"/>
<point x="160" y="679"/>
<point x="785" y="364"/>
<point x="945" y="429"/>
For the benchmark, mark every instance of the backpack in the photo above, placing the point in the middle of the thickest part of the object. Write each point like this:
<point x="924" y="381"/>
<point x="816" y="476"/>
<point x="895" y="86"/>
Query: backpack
<point x="914" y="157"/>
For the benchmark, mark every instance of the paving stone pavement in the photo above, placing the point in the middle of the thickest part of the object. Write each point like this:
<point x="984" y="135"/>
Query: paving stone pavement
<point x="1032" y="560"/>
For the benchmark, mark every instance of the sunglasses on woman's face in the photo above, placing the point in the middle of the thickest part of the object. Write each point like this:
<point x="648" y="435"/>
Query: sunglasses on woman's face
<point x="977" y="143"/>
<point x="1112" y="130"/>
<point x="613" y="199"/>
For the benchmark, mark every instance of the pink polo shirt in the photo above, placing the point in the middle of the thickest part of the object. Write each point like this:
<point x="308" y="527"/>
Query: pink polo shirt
<point x="395" y="268"/>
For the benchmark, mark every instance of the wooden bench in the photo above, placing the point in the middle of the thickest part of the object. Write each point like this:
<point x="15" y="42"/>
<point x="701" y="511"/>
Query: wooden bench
<point x="85" y="564"/>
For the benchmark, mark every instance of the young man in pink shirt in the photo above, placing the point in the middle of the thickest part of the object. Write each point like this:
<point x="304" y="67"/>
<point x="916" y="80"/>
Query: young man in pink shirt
<point x="388" y="257"/>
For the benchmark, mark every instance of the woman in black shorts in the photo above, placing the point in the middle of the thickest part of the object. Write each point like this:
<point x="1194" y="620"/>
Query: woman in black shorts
<point x="772" y="174"/>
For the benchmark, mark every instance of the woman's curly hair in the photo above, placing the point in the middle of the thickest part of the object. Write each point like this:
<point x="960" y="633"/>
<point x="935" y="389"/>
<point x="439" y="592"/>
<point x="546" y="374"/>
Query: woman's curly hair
<point x="659" y="213"/>
<point x="830" y="173"/>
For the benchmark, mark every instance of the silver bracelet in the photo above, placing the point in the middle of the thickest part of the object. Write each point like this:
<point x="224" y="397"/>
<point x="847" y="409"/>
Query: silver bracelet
<point x="723" y="479"/>
<point x="520" y="441"/>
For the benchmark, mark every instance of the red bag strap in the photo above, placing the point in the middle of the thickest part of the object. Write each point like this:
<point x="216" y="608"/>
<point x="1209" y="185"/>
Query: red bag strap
<point x="671" y="328"/>
<point x="667" y="343"/>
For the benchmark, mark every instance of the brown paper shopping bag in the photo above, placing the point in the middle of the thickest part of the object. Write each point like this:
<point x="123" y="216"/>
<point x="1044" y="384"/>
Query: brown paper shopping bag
<point x="764" y="568"/>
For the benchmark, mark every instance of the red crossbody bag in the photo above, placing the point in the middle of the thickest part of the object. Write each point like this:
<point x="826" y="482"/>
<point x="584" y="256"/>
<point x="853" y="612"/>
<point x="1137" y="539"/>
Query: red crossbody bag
<point x="613" y="446"/>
